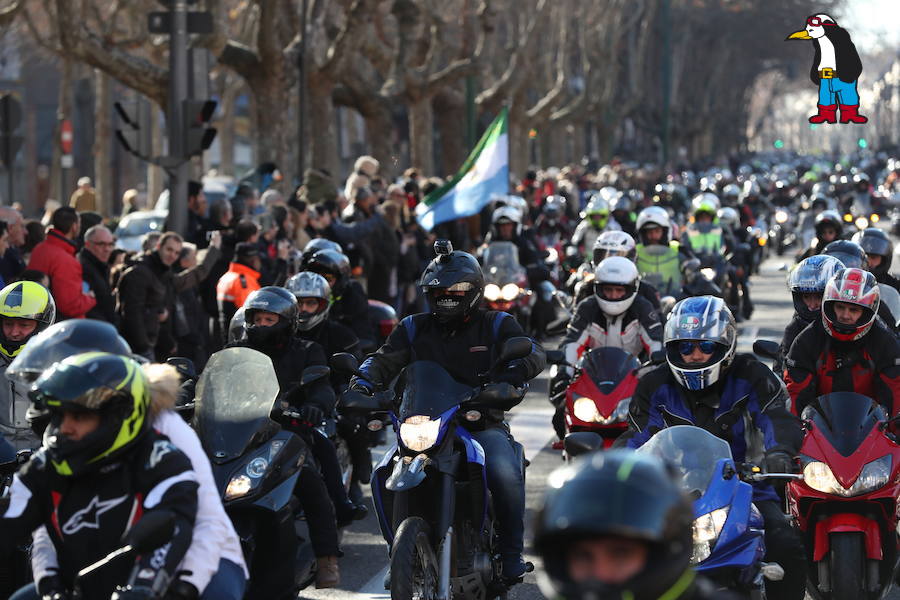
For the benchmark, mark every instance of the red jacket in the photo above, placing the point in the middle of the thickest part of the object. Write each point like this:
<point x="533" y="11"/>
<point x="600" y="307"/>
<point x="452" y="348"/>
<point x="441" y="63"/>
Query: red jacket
<point x="55" y="256"/>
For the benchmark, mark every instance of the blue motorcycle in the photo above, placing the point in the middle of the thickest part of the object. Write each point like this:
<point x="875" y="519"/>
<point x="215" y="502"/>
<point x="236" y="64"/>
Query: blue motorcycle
<point x="728" y="529"/>
<point x="430" y="489"/>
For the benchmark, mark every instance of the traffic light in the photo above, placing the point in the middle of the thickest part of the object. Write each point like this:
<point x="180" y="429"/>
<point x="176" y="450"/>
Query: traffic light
<point x="862" y="143"/>
<point x="779" y="144"/>
<point x="136" y="131"/>
<point x="198" y="136"/>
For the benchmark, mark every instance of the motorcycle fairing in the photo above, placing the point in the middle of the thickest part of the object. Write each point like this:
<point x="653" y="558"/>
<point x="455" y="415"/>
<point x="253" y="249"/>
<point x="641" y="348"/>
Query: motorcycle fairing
<point x="848" y="522"/>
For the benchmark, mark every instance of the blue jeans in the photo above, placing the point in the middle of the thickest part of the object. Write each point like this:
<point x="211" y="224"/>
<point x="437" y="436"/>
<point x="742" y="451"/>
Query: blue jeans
<point x="506" y="480"/>
<point x="227" y="584"/>
<point x="834" y="90"/>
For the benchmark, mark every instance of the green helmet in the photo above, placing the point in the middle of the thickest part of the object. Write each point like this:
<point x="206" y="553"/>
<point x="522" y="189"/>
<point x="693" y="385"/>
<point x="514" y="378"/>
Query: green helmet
<point x="110" y="385"/>
<point x="25" y="300"/>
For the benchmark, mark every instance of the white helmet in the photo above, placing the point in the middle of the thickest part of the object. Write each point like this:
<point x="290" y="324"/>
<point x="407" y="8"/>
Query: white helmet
<point x="655" y="216"/>
<point x="616" y="270"/>
<point x="706" y="202"/>
<point x="517" y="202"/>
<point x="613" y="243"/>
<point x="506" y="214"/>
<point x="729" y="217"/>
<point x="608" y="193"/>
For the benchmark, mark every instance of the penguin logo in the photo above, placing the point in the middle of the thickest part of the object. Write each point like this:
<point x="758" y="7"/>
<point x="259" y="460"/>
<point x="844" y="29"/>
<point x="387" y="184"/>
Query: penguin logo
<point x="835" y="69"/>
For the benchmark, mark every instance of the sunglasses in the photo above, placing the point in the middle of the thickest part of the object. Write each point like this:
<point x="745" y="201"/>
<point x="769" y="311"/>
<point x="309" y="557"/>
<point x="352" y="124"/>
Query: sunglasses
<point x="687" y="347"/>
<point x="816" y="22"/>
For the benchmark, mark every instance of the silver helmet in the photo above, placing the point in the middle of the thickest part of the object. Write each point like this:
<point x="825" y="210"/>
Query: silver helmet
<point x="307" y="284"/>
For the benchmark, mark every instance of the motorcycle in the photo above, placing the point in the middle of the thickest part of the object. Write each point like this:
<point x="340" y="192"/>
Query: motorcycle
<point x="16" y="570"/>
<point x="782" y="233"/>
<point x="383" y="319"/>
<point x="506" y="282"/>
<point x="599" y="395"/>
<point x="429" y="489"/>
<point x="256" y="465"/>
<point x="846" y="503"/>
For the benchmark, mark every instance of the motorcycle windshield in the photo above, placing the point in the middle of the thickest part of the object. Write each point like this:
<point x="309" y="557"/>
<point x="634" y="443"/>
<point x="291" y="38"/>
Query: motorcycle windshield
<point x="607" y="367"/>
<point x="845" y="419"/>
<point x="501" y="263"/>
<point x="426" y="388"/>
<point x="235" y="396"/>
<point x="694" y="451"/>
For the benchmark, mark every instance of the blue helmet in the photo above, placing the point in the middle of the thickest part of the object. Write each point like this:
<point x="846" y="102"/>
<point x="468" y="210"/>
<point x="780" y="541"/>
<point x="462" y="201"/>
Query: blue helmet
<point x="810" y="277"/>
<point x="700" y="319"/>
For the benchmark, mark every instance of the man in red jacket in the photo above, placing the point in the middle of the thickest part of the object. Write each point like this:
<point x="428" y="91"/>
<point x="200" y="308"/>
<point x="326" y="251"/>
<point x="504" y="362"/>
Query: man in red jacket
<point x="55" y="256"/>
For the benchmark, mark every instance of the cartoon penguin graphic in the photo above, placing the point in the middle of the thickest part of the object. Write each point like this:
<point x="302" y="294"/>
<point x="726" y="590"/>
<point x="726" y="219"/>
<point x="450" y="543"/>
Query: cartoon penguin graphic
<point x="835" y="69"/>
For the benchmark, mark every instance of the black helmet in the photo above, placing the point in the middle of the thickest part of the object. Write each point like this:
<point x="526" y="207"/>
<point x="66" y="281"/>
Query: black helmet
<point x="95" y="382"/>
<point x="875" y="241"/>
<point x="452" y="271"/>
<point x="316" y="244"/>
<point x="333" y="266"/>
<point x="25" y="300"/>
<point x="849" y="253"/>
<point x="275" y="300"/>
<point x="618" y="493"/>
<point x="828" y="218"/>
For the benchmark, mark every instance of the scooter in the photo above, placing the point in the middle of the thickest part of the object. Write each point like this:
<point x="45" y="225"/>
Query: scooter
<point x="429" y="489"/>
<point x="846" y="504"/>
<point x="256" y="465"/>
<point x="599" y="395"/>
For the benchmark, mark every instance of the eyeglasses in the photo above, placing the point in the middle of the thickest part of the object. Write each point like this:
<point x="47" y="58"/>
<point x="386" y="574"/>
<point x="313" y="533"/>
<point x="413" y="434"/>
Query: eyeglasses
<point x="816" y="22"/>
<point x="104" y="244"/>
<point x="687" y="347"/>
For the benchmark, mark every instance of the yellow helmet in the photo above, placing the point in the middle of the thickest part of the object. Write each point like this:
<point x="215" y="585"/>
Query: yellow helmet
<point x="25" y="300"/>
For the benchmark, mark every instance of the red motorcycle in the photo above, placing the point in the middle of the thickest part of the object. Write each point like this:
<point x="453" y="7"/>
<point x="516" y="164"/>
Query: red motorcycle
<point x="847" y="501"/>
<point x="599" y="396"/>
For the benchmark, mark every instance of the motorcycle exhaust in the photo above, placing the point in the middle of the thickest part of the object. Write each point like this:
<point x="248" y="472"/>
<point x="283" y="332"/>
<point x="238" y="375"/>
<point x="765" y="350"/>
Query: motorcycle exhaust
<point x="444" y="563"/>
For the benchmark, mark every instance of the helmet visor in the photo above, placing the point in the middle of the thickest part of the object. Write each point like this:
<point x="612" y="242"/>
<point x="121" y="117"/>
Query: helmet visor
<point x="70" y="387"/>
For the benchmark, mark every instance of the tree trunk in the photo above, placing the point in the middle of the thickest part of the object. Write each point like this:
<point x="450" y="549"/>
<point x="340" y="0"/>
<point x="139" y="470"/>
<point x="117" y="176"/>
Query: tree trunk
<point x="449" y="113"/>
<point x="59" y="187"/>
<point x="102" y="150"/>
<point x="421" y="135"/>
<point x="322" y="138"/>
<point x="519" y="143"/>
<point x="380" y="135"/>
<point x="226" y="129"/>
<point x="155" y="182"/>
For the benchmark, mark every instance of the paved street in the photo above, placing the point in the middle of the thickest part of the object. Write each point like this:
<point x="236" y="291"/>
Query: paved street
<point x="365" y="560"/>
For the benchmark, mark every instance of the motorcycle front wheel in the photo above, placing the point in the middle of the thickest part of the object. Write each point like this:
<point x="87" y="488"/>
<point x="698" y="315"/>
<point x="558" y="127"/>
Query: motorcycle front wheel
<point x="847" y="563"/>
<point x="414" y="567"/>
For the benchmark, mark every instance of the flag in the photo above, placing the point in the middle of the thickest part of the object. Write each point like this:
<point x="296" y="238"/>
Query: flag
<point x="484" y="174"/>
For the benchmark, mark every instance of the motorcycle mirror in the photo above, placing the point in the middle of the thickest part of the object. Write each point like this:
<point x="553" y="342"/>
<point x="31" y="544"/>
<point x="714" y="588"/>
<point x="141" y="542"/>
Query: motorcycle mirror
<point x="357" y="402"/>
<point x="344" y="363"/>
<point x="153" y="530"/>
<point x="582" y="442"/>
<point x="314" y="373"/>
<point x="184" y="366"/>
<point x="517" y="347"/>
<point x="766" y="348"/>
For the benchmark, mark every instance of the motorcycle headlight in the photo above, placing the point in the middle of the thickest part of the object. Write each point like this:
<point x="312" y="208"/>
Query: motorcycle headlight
<point x="874" y="475"/>
<point x="491" y="292"/>
<point x="586" y="410"/>
<point x="510" y="292"/>
<point x="706" y="529"/>
<point x="874" y="218"/>
<point x="552" y="255"/>
<point x="709" y="273"/>
<point x="240" y="485"/>
<point x="862" y="222"/>
<point x="621" y="412"/>
<point x="848" y="217"/>
<point x="781" y="217"/>
<point x="419" y="432"/>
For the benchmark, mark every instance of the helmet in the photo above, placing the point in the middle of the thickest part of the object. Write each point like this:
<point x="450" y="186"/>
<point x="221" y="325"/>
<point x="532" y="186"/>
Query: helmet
<point x="849" y="253"/>
<point x="452" y="271"/>
<point x="506" y="214"/>
<point x="729" y="217"/>
<point x="819" y="201"/>
<point x="622" y="203"/>
<point x="310" y="285"/>
<point x="850" y="286"/>
<point x="25" y="300"/>
<point x="700" y="318"/>
<point x="654" y="216"/>
<point x="875" y="241"/>
<point x="110" y="385"/>
<point x="517" y="202"/>
<point x="333" y="266"/>
<point x="730" y="194"/>
<point x="617" y="493"/>
<point x="613" y="243"/>
<point x="237" y="327"/>
<point x="705" y="203"/>
<point x="275" y="300"/>
<point x="810" y="277"/>
<point x="828" y="218"/>
<point x="751" y="190"/>
<point x="597" y="211"/>
<point x="861" y="181"/>
<point x="616" y="270"/>
<point x="316" y="244"/>
<point x="554" y="207"/>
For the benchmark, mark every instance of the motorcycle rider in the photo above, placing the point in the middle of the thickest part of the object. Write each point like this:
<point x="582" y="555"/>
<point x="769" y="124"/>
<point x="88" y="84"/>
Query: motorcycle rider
<point x="704" y="383"/>
<point x="705" y="237"/>
<point x="807" y="284"/>
<point x="552" y="222"/>
<point x="879" y="254"/>
<point x="619" y="243"/>
<point x="465" y="340"/>
<point x="622" y="210"/>
<point x="26" y="309"/>
<point x="828" y="229"/>
<point x="617" y="525"/>
<point x="657" y="255"/>
<point x="848" y="349"/>
<point x="613" y="316"/>
<point x="594" y="221"/>
<point x="741" y="257"/>
<point x="213" y="566"/>
<point x="100" y="457"/>
<point x="271" y="316"/>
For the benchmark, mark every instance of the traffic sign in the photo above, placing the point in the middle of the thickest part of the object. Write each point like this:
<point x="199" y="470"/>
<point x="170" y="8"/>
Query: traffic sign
<point x="66" y="136"/>
<point x="66" y="161"/>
